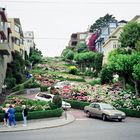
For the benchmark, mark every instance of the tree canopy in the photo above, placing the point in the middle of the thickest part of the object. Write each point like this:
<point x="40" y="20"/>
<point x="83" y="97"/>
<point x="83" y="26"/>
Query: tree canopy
<point x="101" y="22"/>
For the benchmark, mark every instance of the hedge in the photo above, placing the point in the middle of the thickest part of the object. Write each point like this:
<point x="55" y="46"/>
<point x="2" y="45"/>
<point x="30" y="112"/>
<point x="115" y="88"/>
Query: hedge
<point x="77" y="104"/>
<point x="37" y="114"/>
<point x="130" y="112"/>
<point x="80" y="105"/>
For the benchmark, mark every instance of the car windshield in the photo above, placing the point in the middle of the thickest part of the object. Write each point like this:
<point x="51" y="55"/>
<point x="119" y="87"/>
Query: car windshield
<point x="45" y="96"/>
<point x="107" y="107"/>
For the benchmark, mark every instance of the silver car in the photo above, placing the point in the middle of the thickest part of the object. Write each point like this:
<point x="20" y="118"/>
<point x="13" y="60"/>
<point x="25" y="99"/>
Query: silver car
<point x="104" y="111"/>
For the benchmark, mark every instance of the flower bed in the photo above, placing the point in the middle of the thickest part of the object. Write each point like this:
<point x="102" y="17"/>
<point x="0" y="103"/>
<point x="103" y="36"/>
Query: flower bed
<point x="102" y="93"/>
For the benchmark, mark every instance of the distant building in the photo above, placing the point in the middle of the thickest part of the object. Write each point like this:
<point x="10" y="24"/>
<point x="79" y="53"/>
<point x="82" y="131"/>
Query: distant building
<point x="136" y="19"/>
<point x="104" y="34"/>
<point x="113" y="41"/>
<point x="6" y="47"/>
<point x="76" y="38"/>
<point x="17" y="35"/>
<point x="28" y="41"/>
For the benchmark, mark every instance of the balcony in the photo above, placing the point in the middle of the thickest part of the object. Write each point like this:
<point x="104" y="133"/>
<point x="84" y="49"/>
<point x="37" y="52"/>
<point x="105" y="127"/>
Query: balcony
<point x="3" y="14"/>
<point x="4" y="49"/>
<point x="3" y="31"/>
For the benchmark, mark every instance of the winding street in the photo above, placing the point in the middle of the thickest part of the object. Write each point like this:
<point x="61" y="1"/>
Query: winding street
<point x="83" y="128"/>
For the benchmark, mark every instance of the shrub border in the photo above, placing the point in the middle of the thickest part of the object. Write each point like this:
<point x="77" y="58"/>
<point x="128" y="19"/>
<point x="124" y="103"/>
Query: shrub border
<point x="37" y="114"/>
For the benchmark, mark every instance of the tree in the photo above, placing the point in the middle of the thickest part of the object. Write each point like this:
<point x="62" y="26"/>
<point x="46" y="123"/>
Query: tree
<point x="127" y="67"/>
<point x="69" y="55"/>
<point x="136" y="76"/>
<point x="98" y="62"/>
<point x="81" y="47"/>
<point x="35" y="56"/>
<point x="121" y="64"/>
<point x="101" y="22"/>
<point x="89" y="59"/>
<point x="130" y="35"/>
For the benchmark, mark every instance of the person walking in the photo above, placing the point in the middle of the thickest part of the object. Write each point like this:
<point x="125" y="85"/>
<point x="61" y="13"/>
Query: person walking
<point x="6" y="115"/>
<point x="24" y="114"/>
<point x="11" y="112"/>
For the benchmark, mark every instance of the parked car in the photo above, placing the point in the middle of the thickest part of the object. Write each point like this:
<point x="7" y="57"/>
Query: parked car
<point x="104" y="111"/>
<point x="48" y="97"/>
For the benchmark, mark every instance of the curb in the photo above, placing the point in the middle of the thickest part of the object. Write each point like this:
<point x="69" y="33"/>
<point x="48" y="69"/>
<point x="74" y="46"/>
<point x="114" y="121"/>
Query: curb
<point x="70" y="117"/>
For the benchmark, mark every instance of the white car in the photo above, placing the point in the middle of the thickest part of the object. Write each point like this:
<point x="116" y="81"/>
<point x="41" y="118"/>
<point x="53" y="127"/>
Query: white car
<point x="43" y="96"/>
<point x="62" y="84"/>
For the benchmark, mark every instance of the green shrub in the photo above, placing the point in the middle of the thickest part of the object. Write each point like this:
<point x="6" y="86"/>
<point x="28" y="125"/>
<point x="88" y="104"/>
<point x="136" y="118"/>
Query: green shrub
<point x="18" y="109"/>
<point x="52" y="105"/>
<point x="10" y="82"/>
<point x="44" y="88"/>
<point x="78" y="104"/>
<point x="29" y="81"/>
<point x="106" y="75"/>
<point x="27" y="63"/>
<point x="57" y="100"/>
<point x="72" y="70"/>
<point x="33" y="85"/>
<point x="19" y="78"/>
<point x="95" y="82"/>
<point x="130" y="112"/>
<point x="88" y="73"/>
<point x="18" y="87"/>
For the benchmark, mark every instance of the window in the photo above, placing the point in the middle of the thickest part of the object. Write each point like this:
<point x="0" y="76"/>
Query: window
<point x="74" y="43"/>
<point x="97" y="106"/>
<point x="28" y="41"/>
<point x="17" y="41"/>
<point x="17" y="28"/>
<point x="82" y="36"/>
<point x="21" y="41"/>
<point x="114" y="45"/>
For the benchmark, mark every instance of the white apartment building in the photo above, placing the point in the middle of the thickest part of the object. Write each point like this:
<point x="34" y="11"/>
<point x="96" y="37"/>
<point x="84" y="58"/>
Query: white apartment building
<point x="28" y="41"/>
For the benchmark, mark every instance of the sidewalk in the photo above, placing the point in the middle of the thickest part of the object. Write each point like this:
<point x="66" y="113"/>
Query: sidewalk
<point x="39" y="124"/>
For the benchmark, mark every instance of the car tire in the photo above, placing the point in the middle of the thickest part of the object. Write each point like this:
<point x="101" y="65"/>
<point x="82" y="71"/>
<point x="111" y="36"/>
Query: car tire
<point x="120" y="120"/>
<point x="88" y="114"/>
<point x="104" y="117"/>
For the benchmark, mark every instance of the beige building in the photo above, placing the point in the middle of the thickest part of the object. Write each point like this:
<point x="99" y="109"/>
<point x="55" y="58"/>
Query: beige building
<point x="113" y="40"/>
<point x="17" y="35"/>
<point x="136" y="19"/>
<point x="6" y="47"/>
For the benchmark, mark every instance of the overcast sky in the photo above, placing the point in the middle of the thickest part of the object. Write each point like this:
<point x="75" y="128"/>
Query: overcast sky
<point x="53" y="21"/>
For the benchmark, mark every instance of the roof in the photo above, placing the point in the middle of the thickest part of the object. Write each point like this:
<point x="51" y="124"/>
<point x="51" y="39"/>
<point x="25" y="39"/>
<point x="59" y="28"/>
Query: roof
<point x="122" y="21"/>
<point x="135" y="18"/>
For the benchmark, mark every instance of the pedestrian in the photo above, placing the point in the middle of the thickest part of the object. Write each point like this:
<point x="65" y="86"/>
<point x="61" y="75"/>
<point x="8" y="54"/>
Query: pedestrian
<point x="11" y="112"/>
<point x="6" y="115"/>
<point x="24" y="114"/>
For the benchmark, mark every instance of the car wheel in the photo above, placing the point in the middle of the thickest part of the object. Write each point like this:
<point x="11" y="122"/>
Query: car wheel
<point x="88" y="114"/>
<point x="120" y="120"/>
<point x="104" y="117"/>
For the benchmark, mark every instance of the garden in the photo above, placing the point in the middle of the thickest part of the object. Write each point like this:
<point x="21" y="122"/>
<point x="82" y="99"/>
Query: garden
<point x="37" y="109"/>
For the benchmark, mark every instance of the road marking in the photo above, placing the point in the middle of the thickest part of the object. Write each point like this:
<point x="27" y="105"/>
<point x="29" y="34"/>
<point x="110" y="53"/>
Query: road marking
<point x="82" y="119"/>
